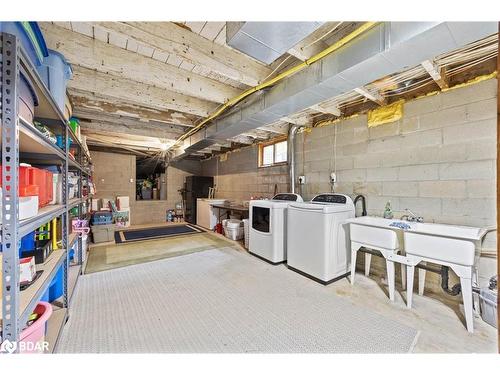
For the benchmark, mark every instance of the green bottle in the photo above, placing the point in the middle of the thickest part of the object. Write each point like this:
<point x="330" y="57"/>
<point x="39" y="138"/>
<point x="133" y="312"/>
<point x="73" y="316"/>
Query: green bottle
<point x="388" y="211"/>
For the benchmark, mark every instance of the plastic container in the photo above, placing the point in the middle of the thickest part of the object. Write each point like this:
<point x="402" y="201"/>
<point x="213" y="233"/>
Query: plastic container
<point x="59" y="141"/>
<point x="247" y="232"/>
<point x="103" y="233"/>
<point x="102" y="218"/>
<point x="27" y="99"/>
<point x="56" y="286"/>
<point x="43" y="179"/>
<point x="31" y="38"/>
<point x="35" y="333"/>
<point x="28" y="242"/>
<point x="489" y="306"/>
<point x="233" y="229"/>
<point x="25" y="188"/>
<point x="55" y="72"/>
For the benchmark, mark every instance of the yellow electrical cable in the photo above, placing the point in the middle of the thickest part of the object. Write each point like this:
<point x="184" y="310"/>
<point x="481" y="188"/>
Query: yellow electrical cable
<point x="365" y="27"/>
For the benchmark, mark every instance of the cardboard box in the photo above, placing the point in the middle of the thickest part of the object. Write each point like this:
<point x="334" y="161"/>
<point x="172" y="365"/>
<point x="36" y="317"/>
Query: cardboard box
<point x="27" y="270"/>
<point x="95" y="204"/>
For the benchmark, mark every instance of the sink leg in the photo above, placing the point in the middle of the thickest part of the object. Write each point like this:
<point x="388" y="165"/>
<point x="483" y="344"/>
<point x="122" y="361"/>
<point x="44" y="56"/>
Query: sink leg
<point x="421" y="280"/>
<point x="467" y="298"/>
<point x="403" y="276"/>
<point x="390" y="278"/>
<point x="354" y="252"/>
<point x="410" y="271"/>
<point x="368" y="261"/>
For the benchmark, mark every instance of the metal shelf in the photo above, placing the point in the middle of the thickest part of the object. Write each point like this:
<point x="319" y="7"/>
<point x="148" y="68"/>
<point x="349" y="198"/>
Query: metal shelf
<point x="54" y="326"/>
<point x="29" y="297"/>
<point x="45" y="214"/>
<point x="75" y="202"/>
<point x="74" y="272"/>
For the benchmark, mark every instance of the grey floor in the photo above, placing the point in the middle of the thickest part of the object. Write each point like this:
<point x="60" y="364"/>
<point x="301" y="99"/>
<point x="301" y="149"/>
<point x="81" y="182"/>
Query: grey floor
<point x="221" y="300"/>
<point x="439" y="326"/>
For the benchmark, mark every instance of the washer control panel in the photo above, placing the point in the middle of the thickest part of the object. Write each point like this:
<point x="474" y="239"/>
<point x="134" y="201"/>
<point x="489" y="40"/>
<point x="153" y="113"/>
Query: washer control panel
<point x="330" y="198"/>
<point x="288" y="197"/>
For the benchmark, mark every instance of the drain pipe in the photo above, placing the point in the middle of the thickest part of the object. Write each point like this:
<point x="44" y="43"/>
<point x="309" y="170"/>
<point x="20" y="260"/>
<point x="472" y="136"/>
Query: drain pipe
<point x="291" y="154"/>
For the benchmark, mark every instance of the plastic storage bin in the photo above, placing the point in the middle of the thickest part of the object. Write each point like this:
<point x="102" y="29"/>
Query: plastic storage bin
<point x="102" y="218"/>
<point x="25" y="188"/>
<point x="56" y="287"/>
<point x="31" y="38"/>
<point x="43" y="179"/>
<point x="55" y="73"/>
<point x="103" y="233"/>
<point x="489" y="306"/>
<point x="233" y="229"/>
<point x="27" y="99"/>
<point x="35" y="333"/>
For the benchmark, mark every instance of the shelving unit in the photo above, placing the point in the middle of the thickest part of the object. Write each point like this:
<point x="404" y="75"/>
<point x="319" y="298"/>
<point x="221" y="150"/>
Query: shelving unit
<point x="22" y="142"/>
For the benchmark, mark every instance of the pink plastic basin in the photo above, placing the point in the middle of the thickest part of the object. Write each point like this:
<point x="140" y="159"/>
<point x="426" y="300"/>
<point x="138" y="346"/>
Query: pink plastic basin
<point x="32" y="338"/>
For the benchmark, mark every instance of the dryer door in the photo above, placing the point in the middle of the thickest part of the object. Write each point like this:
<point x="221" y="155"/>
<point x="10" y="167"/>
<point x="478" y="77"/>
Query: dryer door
<point x="261" y="219"/>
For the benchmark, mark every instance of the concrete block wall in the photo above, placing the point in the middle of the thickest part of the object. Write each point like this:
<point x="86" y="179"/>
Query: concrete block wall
<point x="238" y="177"/>
<point x="439" y="160"/>
<point x="113" y="174"/>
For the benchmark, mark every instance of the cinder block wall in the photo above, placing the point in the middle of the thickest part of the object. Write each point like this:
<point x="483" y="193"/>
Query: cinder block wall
<point x="238" y="177"/>
<point x="439" y="160"/>
<point x="113" y="174"/>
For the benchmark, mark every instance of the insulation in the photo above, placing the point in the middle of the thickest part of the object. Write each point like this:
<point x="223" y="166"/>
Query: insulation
<point x="386" y="114"/>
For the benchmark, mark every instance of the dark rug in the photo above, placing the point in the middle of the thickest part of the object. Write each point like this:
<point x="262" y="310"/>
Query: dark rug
<point x="132" y="235"/>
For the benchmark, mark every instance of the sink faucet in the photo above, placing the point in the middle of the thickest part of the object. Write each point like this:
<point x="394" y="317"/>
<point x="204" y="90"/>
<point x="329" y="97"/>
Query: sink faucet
<point x="411" y="216"/>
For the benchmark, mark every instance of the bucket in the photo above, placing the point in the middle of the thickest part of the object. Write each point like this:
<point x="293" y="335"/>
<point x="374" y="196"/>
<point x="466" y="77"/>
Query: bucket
<point x="35" y="333"/>
<point x="31" y="38"/>
<point x="55" y="72"/>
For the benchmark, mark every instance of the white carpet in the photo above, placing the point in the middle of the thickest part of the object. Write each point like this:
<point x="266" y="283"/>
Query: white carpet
<point x="220" y="301"/>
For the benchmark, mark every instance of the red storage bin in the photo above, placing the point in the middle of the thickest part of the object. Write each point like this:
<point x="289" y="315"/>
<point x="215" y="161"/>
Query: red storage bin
<point x="26" y="189"/>
<point x="49" y="184"/>
<point x="39" y="178"/>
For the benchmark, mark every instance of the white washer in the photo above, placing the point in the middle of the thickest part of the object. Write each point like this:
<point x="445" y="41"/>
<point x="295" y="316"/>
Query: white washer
<point x="318" y="237"/>
<point x="206" y="215"/>
<point x="268" y="227"/>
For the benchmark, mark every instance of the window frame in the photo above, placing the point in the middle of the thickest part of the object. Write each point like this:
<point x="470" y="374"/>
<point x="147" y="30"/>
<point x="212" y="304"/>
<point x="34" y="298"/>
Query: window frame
<point x="262" y="145"/>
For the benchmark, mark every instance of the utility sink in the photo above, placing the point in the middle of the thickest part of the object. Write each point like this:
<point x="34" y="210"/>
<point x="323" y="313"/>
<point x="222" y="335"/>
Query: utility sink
<point x="445" y="243"/>
<point x="375" y="232"/>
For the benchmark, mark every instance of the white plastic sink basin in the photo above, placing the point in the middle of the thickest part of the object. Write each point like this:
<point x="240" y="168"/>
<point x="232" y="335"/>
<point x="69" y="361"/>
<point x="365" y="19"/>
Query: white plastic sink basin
<point x="445" y="243"/>
<point x="375" y="231"/>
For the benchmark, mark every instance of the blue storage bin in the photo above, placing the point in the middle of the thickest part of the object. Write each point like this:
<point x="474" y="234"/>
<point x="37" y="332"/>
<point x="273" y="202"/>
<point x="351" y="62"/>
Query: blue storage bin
<point x="28" y="242"/>
<point x="56" y="287"/>
<point x="71" y="254"/>
<point x="55" y="72"/>
<point x="59" y="141"/>
<point x="45" y="296"/>
<point x="31" y="38"/>
<point x="102" y="218"/>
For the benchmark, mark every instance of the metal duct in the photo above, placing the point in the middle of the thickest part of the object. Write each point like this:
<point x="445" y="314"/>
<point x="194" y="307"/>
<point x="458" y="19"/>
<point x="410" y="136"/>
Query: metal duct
<point x="266" y="41"/>
<point x="291" y="154"/>
<point x="385" y="49"/>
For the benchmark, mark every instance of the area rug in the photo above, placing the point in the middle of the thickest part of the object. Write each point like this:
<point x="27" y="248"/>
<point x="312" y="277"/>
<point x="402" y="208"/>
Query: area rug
<point x="106" y="257"/>
<point x="221" y="301"/>
<point x="131" y="235"/>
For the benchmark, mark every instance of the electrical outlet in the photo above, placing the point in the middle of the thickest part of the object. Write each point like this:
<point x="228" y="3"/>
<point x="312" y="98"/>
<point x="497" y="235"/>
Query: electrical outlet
<point x="333" y="178"/>
<point x="302" y="180"/>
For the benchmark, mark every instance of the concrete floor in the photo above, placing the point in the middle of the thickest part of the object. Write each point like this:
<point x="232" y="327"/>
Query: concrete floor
<point x="439" y="320"/>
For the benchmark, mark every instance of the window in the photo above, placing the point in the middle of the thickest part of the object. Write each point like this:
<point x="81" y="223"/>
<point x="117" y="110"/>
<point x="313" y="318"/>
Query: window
<point x="272" y="153"/>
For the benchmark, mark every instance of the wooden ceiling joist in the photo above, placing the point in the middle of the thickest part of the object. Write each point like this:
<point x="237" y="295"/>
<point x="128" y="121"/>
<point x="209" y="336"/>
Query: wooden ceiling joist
<point x="143" y="129"/>
<point x="167" y="38"/>
<point x="374" y="97"/>
<point x="327" y="111"/>
<point x="90" y="53"/>
<point x="84" y="102"/>
<point x="122" y="89"/>
<point x="437" y="74"/>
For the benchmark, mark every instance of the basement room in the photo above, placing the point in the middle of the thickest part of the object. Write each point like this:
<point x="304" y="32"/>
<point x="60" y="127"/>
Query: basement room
<point x="272" y="186"/>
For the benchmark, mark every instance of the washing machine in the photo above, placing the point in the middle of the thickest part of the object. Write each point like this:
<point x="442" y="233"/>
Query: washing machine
<point x="318" y="237"/>
<point x="267" y="219"/>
